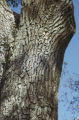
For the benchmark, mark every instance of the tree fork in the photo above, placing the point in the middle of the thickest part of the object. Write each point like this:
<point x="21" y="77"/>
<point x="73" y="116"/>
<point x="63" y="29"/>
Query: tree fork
<point x="35" y="64"/>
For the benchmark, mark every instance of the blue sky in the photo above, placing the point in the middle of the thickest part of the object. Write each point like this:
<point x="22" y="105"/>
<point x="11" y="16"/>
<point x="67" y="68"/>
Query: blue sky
<point x="72" y="51"/>
<point x="66" y="94"/>
<point x="17" y="9"/>
<point x="72" y="54"/>
<point x="72" y="58"/>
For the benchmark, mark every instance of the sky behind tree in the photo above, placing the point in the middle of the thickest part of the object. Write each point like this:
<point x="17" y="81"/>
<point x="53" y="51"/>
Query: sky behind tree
<point x="68" y="111"/>
<point x="72" y="51"/>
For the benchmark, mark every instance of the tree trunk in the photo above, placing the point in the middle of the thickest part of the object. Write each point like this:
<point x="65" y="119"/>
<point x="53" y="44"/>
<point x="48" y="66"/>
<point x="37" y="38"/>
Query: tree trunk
<point x="31" y="58"/>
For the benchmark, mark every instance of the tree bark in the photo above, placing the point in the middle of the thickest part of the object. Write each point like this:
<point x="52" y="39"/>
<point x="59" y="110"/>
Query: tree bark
<point x="31" y="58"/>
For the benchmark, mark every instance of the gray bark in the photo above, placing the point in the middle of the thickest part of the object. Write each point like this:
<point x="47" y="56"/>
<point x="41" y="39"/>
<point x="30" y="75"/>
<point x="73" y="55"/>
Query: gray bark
<point x="31" y="57"/>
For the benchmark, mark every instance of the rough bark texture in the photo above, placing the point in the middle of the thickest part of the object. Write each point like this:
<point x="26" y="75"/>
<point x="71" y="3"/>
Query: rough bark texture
<point x="31" y="56"/>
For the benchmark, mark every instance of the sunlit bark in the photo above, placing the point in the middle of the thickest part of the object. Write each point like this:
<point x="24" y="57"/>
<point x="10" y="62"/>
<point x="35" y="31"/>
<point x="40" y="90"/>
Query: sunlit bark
<point x="32" y="56"/>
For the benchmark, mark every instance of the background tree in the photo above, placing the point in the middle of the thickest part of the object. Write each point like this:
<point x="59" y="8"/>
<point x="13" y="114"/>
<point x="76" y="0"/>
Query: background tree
<point x="32" y="56"/>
